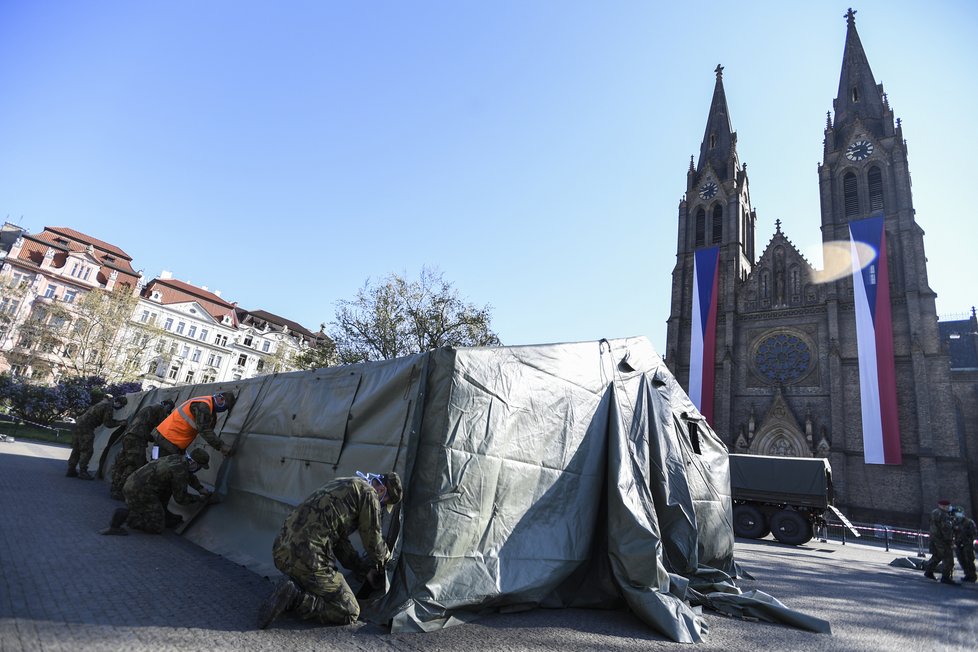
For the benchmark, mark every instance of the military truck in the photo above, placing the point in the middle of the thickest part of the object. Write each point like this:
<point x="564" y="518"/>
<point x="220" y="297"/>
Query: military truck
<point x="783" y="496"/>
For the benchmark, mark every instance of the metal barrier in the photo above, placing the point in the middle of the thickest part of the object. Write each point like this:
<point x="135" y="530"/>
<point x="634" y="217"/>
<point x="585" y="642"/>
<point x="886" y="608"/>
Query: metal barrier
<point x="877" y="534"/>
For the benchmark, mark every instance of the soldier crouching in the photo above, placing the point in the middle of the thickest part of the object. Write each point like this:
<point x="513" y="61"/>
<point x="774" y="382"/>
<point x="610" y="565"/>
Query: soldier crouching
<point x="316" y="534"/>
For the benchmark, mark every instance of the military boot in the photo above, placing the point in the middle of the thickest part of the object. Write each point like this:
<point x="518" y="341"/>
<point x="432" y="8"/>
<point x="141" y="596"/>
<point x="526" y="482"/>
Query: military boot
<point x="85" y="475"/>
<point x="284" y="597"/>
<point x="119" y="517"/>
<point x="72" y="472"/>
<point x="172" y="520"/>
<point x="948" y="580"/>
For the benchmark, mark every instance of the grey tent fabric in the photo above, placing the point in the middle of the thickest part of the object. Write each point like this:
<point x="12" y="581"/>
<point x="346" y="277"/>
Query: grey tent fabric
<point x="553" y="475"/>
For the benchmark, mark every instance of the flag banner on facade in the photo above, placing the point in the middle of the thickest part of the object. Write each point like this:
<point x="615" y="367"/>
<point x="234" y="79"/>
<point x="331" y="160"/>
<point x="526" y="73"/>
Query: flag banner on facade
<point x="874" y="340"/>
<point x="703" y="339"/>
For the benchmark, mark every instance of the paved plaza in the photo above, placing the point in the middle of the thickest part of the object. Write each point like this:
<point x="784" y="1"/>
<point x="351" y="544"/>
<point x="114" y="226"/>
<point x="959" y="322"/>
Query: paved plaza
<point x="65" y="587"/>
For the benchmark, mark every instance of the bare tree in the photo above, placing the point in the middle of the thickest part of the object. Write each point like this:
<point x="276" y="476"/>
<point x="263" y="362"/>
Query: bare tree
<point x="398" y="317"/>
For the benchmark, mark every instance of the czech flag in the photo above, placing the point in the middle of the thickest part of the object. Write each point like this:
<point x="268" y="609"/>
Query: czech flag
<point x="874" y="339"/>
<point x="703" y="339"/>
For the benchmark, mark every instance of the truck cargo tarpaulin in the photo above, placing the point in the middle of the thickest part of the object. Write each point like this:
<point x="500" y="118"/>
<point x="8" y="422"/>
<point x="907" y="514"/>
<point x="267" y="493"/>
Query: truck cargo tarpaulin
<point x="575" y="475"/>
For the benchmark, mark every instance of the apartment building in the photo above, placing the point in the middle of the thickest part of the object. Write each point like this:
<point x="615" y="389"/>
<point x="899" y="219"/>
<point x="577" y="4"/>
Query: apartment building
<point x="43" y="279"/>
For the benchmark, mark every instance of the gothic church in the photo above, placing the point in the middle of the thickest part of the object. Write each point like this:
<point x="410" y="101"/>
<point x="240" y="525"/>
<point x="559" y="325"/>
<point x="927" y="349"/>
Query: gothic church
<point x="782" y="372"/>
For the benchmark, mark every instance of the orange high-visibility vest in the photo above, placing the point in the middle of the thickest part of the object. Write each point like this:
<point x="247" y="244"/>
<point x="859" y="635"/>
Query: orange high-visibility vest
<point x="180" y="428"/>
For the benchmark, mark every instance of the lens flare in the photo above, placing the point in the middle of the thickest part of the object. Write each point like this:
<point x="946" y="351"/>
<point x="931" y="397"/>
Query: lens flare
<point x="837" y="259"/>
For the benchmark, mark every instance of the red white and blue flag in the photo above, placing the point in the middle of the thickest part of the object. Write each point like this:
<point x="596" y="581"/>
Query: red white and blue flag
<point x="874" y="338"/>
<point x="703" y="339"/>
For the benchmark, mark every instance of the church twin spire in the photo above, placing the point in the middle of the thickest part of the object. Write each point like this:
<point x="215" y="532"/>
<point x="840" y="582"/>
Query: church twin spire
<point x="719" y="140"/>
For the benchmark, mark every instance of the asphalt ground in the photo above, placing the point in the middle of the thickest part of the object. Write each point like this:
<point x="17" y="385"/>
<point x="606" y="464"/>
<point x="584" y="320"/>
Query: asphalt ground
<point x="65" y="587"/>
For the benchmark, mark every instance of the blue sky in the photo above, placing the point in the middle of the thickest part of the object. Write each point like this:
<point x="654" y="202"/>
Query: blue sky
<point x="534" y="152"/>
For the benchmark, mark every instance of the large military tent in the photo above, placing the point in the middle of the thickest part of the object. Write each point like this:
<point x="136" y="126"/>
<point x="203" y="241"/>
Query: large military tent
<point x="554" y="475"/>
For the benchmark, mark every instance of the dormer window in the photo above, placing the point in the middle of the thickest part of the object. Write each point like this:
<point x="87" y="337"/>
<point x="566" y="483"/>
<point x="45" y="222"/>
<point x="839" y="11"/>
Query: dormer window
<point x="855" y="94"/>
<point x="713" y="141"/>
<point x="227" y="319"/>
<point x="61" y="241"/>
<point x="156" y="296"/>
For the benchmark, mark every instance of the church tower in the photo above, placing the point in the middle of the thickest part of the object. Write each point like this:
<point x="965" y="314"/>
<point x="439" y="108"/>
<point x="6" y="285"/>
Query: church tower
<point x="715" y="215"/>
<point x="865" y="174"/>
<point x="843" y="362"/>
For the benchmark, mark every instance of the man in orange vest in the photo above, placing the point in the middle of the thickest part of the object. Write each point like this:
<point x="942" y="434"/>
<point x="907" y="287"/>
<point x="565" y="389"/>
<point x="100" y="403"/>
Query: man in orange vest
<point x="195" y="416"/>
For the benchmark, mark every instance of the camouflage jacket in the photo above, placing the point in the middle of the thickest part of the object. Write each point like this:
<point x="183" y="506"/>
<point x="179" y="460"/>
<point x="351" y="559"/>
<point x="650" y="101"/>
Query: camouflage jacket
<point x="99" y="414"/>
<point x="170" y="474"/>
<point x="966" y="532"/>
<point x="145" y="420"/>
<point x="941" y="526"/>
<point x="205" y="421"/>
<point x="335" y="511"/>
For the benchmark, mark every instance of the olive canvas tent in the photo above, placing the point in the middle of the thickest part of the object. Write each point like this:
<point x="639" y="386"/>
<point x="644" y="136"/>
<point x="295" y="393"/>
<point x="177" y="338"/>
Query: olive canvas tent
<point x="553" y="475"/>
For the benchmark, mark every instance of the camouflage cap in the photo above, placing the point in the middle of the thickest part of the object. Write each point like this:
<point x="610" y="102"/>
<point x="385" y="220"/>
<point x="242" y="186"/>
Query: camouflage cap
<point x="201" y="456"/>
<point x="395" y="491"/>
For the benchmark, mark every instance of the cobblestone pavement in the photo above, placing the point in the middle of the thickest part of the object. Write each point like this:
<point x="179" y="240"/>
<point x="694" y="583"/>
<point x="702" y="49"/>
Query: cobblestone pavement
<point x="65" y="587"/>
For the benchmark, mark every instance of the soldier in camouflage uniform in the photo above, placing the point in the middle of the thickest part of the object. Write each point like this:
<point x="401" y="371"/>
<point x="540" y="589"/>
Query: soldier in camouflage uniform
<point x="149" y="489"/>
<point x="316" y="534"/>
<point x="941" y="543"/>
<point x="965" y="533"/>
<point x="83" y="438"/>
<point x="137" y="435"/>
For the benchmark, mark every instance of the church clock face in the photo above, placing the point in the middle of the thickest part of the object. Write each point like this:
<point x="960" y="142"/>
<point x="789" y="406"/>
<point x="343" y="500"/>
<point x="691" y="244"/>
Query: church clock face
<point x="859" y="150"/>
<point x="783" y="358"/>
<point x="708" y="190"/>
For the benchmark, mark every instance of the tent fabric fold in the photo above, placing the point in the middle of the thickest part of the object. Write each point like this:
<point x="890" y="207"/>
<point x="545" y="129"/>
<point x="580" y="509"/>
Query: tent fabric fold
<point x="559" y="475"/>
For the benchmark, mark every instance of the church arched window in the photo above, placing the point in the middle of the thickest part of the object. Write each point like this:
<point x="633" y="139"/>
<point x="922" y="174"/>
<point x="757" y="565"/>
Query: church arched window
<point x="717" y="224"/>
<point x="795" y="280"/>
<point x="875" y="189"/>
<point x="851" y="191"/>
<point x="700" y="227"/>
<point x="765" y="284"/>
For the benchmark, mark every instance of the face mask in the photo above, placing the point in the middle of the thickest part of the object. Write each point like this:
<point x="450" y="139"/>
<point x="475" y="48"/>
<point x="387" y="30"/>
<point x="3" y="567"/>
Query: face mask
<point x="194" y="467"/>
<point x="220" y="405"/>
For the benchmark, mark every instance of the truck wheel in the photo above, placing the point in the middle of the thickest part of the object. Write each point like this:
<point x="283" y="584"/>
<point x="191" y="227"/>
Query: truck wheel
<point x="791" y="527"/>
<point x="748" y="522"/>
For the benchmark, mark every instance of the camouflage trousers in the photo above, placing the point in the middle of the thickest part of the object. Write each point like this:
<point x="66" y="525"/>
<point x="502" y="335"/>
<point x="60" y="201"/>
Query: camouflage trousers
<point x="942" y="554"/>
<point x="326" y="597"/>
<point x="966" y="557"/>
<point x="82" y="448"/>
<point x="130" y="459"/>
<point x="147" y="510"/>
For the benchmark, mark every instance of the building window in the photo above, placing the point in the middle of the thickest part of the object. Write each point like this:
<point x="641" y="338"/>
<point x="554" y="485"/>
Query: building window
<point x="210" y="360"/>
<point x="700" y="227"/>
<point x="717" y="224"/>
<point x="88" y="270"/>
<point x="265" y="345"/>
<point x="260" y="365"/>
<point x="207" y="378"/>
<point x="855" y="94"/>
<point x="765" y="284"/>
<point x="9" y="306"/>
<point x="49" y="291"/>
<point x="875" y="190"/>
<point x="143" y="318"/>
<point x="174" y="370"/>
<point x="242" y="360"/>
<point x="713" y="141"/>
<point x="196" y="356"/>
<point x="173" y="348"/>
<point x="203" y="334"/>
<point x="180" y="327"/>
<point x="185" y="352"/>
<point x="190" y="377"/>
<point x="192" y="332"/>
<point x="70" y="296"/>
<point x="217" y="361"/>
<point x="168" y="324"/>
<point x="20" y="279"/>
<point x="247" y="340"/>
<point x="851" y="191"/>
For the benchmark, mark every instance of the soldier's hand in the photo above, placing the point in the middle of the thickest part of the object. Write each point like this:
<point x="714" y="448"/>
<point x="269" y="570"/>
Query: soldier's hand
<point x="375" y="578"/>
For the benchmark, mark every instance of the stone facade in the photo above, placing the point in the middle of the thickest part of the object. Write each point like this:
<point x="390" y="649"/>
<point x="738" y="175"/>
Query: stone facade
<point x="786" y="360"/>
